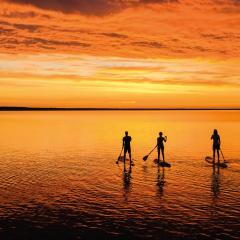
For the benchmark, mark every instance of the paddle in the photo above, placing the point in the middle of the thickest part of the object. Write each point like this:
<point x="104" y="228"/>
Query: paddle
<point x="146" y="157"/>
<point x="210" y="159"/>
<point x="222" y="155"/>
<point x="119" y="157"/>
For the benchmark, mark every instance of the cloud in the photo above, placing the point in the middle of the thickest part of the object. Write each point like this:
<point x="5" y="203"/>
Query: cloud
<point x="85" y="79"/>
<point x="89" y="7"/>
<point x="43" y="43"/>
<point x="30" y="41"/>
<point x="145" y="47"/>
<point x="23" y="15"/>
<point x="29" y="27"/>
<point x="114" y="35"/>
<point x="175" y="29"/>
<point x="148" y="44"/>
<point x="109" y="69"/>
<point x="6" y="31"/>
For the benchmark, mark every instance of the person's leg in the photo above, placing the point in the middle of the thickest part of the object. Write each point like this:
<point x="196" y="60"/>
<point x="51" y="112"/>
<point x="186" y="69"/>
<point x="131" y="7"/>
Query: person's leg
<point x="163" y="154"/>
<point x="213" y="154"/>
<point x="218" y="154"/>
<point x="124" y="156"/>
<point x="130" y="155"/>
<point x="158" y="154"/>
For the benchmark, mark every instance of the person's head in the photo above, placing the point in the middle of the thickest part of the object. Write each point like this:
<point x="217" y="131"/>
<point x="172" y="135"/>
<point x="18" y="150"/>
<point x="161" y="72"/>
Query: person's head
<point x="160" y="134"/>
<point x="126" y="133"/>
<point x="215" y="131"/>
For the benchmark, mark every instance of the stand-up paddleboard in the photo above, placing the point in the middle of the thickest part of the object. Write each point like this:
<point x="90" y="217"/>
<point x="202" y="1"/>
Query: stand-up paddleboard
<point x="162" y="164"/>
<point x="210" y="161"/>
<point x="121" y="159"/>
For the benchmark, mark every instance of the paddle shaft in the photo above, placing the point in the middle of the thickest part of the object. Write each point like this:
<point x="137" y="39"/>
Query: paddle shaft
<point x="152" y="150"/>
<point x="120" y="153"/>
<point x="222" y="154"/>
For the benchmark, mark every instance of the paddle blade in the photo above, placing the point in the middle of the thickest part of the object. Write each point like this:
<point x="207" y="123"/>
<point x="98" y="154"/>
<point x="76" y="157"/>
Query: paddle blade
<point x="145" y="157"/>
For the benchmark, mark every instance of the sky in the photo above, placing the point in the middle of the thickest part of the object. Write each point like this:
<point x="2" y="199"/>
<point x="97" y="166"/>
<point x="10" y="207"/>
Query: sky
<point x="120" y="53"/>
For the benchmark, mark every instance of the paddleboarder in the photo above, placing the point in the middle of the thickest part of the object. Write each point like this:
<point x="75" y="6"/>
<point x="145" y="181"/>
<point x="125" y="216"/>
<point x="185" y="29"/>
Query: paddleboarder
<point x="127" y="146"/>
<point x="216" y="144"/>
<point x="160" y="145"/>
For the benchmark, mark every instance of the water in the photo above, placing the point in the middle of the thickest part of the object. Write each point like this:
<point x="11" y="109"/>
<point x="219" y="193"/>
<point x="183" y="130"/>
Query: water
<point x="59" y="179"/>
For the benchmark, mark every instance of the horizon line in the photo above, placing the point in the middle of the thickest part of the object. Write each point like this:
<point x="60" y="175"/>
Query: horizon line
<point x="13" y="108"/>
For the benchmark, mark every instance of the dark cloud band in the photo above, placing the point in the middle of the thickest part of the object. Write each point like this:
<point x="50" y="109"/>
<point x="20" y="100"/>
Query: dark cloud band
<point x="89" y="7"/>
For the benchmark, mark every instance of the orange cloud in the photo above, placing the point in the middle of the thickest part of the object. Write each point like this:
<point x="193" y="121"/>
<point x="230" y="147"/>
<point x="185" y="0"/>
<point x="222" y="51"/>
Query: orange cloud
<point x="95" y="80"/>
<point x="92" y="7"/>
<point x="171" y="52"/>
<point x="184" y="28"/>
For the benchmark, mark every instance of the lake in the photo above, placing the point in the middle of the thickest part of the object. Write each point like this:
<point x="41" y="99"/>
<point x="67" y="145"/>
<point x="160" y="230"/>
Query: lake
<point x="59" y="178"/>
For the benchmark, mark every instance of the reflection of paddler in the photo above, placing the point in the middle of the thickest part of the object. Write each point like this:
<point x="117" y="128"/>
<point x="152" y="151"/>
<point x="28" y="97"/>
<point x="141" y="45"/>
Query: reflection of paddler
<point x="127" y="180"/>
<point x="160" y="145"/>
<point x="127" y="146"/>
<point x="160" y="179"/>
<point x="127" y="174"/>
<point x="216" y="181"/>
<point x="216" y="144"/>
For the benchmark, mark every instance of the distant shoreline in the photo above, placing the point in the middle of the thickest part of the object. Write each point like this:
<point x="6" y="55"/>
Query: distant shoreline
<point x="114" y="109"/>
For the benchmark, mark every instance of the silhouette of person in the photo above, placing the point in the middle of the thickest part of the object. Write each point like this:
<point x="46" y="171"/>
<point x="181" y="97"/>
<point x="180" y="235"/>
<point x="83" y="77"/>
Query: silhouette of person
<point x="216" y="144"/>
<point x="127" y="146"/>
<point x="160" y="145"/>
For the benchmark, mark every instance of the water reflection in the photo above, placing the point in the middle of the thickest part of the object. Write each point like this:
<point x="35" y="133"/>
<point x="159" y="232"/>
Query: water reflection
<point x="160" y="179"/>
<point x="127" y="171"/>
<point x="58" y="177"/>
<point x="145" y="169"/>
<point x="215" y="186"/>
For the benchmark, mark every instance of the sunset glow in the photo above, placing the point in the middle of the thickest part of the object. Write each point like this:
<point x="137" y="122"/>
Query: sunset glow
<point x="120" y="53"/>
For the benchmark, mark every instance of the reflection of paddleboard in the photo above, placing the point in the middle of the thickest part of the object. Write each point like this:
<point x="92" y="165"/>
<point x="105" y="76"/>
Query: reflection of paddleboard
<point x="162" y="164"/>
<point x="210" y="161"/>
<point x="121" y="159"/>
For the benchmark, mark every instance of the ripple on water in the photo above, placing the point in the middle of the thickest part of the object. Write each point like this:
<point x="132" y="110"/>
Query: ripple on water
<point x="70" y="186"/>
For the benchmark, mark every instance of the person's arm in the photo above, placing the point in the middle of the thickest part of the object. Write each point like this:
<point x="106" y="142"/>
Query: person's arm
<point x="211" y="137"/>
<point x="219" y="140"/>
<point x="165" y="138"/>
<point x="123" y="142"/>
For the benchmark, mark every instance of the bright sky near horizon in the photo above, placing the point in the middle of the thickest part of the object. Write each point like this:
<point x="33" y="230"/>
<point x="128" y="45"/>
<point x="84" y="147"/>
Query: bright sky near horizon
<point x="120" y="53"/>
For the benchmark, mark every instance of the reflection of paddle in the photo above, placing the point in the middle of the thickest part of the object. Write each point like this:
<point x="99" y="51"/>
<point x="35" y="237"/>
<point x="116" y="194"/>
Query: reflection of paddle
<point x="146" y="157"/>
<point x="119" y="157"/>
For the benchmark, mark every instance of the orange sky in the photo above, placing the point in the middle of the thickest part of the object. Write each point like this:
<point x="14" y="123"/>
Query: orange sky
<point x="120" y="53"/>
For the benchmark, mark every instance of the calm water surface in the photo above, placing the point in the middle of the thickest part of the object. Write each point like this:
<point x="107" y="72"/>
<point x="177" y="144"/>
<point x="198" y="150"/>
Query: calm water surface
<point x="59" y="179"/>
